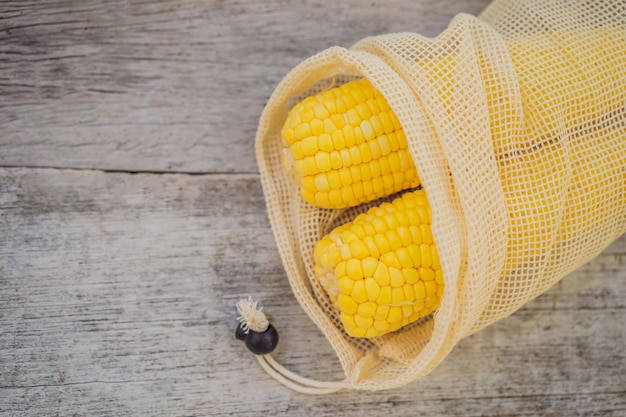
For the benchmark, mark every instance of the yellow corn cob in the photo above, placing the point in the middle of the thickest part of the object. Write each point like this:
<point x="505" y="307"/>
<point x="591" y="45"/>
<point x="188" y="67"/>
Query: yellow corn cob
<point x="382" y="270"/>
<point x="345" y="146"/>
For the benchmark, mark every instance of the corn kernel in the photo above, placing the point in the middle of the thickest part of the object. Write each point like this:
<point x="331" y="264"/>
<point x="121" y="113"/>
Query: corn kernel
<point x="358" y="93"/>
<point x="353" y="117"/>
<point x="345" y="285"/>
<point x="426" y="274"/>
<point x="383" y="310"/>
<point x="406" y="163"/>
<point x="409" y="293"/>
<point x="431" y="288"/>
<point x="394" y="162"/>
<point x="427" y="236"/>
<point x="386" y="122"/>
<point x="359" y="137"/>
<point x="320" y="111"/>
<point x="348" y="322"/>
<point x="309" y="145"/>
<point x="359" y="191"/>
<point x="411" y="276"/>
<point x="321" y="199"/>
<point x="366" y="153"/>
<point x="416" y="234"/>
<point x="426" y="255"/>
<point x="393" y="238"/>
<point x="395" y="315"/>
<point x="338" y="121"/>
<point x="348" y="305"/>
<point x="336" y="162"/>
<point x="388" y="183"/>
<point x="363" y="322"/>
<point x="395" y="121"/>
<point x="385" y="167"/>
<point x="374" y="166"/>
<point x="394" y="141"/>
<point x="348" y="100"/>
<point x="396" y="279"/>
<point x="340" y="268"/>
<point x="322" y="161"/>
<point x="355" y="155"/>
<point x="390" y="259"/>
<point x="302" y="131"/>
<point x="383" y="144"/>
<point x="321" y="183"/>
<point x="367" y="309"/>
<point x="355" y="171"/>
<point x="359" y="250"/>
<point x="439" y="277"/>
<point x="381" y="325"/>
<point x="307" y="115"/>
<point x="420" y="290"/>
<point x="372" y="289"/>
<point x="316" y="126"/>
<point x="308" y="166"/>
<point x="333" y="180"/>
<point x="404" y="257"/>
<point x="381" y="275"/>
<point x="330" y="104"/>
<point x="347" y="194"/>
<point x="367" y="130"/>
<point x="405" y="235"/>
<point x="363" y="111"/>
<point x="348" y="135"/>
<point x="308" y="183"/>
<point x="329" y="126"/>
<point x="373" y="251"/>
<point x="345" y="176"/>
<point x="338" y="140"/>
<point x="358" y="292"/>
<point x="366" y="174"/>
<point x="325" y="142"/>
<point x="369" y="264"/>
<point x="374" y="149"/>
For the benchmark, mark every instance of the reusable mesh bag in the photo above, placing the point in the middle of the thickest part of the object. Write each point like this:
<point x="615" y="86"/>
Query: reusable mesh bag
<point x="516" y="123"/>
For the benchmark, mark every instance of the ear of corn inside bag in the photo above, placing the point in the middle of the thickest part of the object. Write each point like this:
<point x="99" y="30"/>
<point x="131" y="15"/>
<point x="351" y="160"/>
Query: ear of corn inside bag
<point x="382" y="270"/>
<point x="345" y="147"/>
<point x="516" y="125"/>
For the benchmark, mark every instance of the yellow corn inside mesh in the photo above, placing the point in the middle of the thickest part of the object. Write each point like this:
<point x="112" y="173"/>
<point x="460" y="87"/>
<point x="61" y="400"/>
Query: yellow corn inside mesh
<point x="345" y="146"/>
<point x="381" y="270"/>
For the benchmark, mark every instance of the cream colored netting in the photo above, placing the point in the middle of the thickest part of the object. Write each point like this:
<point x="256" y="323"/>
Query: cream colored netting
<point x="516" y="121"/>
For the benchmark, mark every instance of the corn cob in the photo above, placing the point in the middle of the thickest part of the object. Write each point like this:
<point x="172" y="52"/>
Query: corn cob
<point x="345" y="146"/>
<point x="382" y="271"/>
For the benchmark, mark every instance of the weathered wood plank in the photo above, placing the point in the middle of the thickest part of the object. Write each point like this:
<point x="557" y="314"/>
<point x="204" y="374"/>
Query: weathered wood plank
<point x="117" y="297"/>
<point x="173" y="85"/>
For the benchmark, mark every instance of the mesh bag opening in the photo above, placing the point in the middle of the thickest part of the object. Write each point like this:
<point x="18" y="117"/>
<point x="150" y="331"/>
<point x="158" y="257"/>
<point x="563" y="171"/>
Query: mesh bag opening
<point x="516" y="123"/>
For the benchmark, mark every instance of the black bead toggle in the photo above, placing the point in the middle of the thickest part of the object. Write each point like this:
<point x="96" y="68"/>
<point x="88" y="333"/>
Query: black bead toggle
<point x="259" y="343"/>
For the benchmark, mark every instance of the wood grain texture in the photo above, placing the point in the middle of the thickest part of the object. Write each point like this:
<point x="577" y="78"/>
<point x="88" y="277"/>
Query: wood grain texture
<point x="118" y="288"/>
<point x="167" y="85"/>
<point x="118" y="296"/>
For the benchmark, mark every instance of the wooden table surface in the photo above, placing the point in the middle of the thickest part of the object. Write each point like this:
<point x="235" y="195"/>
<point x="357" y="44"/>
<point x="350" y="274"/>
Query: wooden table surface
<point x="132" y="219"/>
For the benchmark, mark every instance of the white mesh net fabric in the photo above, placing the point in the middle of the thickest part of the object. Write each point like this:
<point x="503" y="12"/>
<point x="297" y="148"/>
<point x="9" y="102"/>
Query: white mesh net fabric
<point x="516" y="122"/>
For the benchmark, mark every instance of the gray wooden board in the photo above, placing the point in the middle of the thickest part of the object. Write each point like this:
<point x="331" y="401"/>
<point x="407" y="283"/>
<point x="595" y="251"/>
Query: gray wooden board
<point x="118" y="290"/>
<point x="118" y="297"/>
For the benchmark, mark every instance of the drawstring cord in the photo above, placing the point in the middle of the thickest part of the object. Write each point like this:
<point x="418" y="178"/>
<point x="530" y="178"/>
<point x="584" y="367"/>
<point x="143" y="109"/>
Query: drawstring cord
<point x="261" y="339"/>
